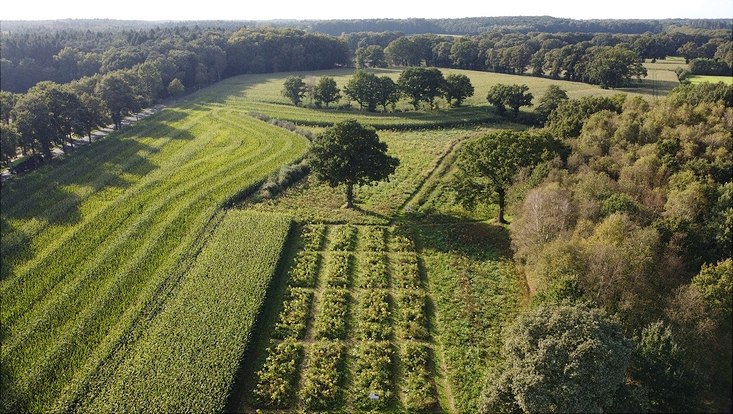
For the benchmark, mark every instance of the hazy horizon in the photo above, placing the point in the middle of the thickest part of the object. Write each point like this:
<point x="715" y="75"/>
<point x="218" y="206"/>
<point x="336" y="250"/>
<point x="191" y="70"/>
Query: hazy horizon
<point x="377" y="9"/>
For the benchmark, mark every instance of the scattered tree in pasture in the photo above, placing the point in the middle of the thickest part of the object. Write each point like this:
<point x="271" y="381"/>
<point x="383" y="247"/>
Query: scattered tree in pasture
<point x="421" y="85"/>
<point x="561" y="359"/>
<point x="294" y="88"/>
<point x="457" y="88"/>
<point x="549" y="101"/>
<point x="487" y="166"/>
<point x="326" y="91"/>
<point x="388" y="93"/>
<point x="350" y="154"/>
<point x="364" y="88"/>
<point x="512" y="96"/>
<point x="613" y="67"/>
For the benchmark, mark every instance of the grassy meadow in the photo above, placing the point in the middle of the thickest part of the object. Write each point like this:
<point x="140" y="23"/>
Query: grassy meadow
<point x="139" y="260"/>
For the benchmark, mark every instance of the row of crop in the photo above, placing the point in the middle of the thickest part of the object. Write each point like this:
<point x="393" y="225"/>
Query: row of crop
<point x="418" y="389"/>
<point x="331" y="320"/>
<point x="373" y="315"/>
<point x="372" y="238"/>
<point x="312" y="236"/>
<point x="338" y="269"/>
<point x="294" y="314"/>
<point x="413" y="321"/>
<point x="304" y="271"/>
<point x="373" y="271"/>
<point x="277" y="380"/>
<point x="405" y="270"/>
<point x="371" y="388"/>
<point x="342" y="237"/>
<point x="323" y="376"/>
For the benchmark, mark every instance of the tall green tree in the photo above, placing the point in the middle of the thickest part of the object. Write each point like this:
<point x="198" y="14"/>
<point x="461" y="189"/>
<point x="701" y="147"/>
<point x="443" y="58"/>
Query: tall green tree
<point x="565" y="359"/>
<point x="118" y="93"/>
<point x="93" y="113"/>
<point x="613" y="67"/>
<point x="326" y="91"/>
<point x="364" y="88"/>
<point x="487" y="166"/>
<point x="549" y="101"/>
<point x="512" y="96"/>
<point x="9" y="141"/>
<point x="7" y="102"/>
<point x="294" y="89"/>
<point x="421" y="85"/>
<point x="457" y="88"/>
<point x="350" y="154"/>
<point x="388" y="93"/>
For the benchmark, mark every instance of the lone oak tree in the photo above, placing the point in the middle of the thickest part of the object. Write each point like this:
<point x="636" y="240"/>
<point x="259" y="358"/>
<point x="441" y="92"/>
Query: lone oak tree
<point x="351" y="154"/>
<point x="487" y="166"/>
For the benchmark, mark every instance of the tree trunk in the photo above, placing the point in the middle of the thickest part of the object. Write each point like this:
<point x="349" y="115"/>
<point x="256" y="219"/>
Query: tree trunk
<point x="502" y="194"/>
<point x="349" y="195"/>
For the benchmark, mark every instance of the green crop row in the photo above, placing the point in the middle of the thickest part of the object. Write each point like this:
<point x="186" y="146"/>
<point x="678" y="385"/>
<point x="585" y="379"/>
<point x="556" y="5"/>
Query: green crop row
<point x="401" y="242"/>
<point x="373" y="271"/>
<point x="312" y="236"/>
<point x="373" y="238"/>
<point x="331" y="319"/>
<point x="278" y="377"/>
<point x="323" y="376"/>
<point x="343" y="237"/>
<point x="418" y="389"/>
<point x="187" y="359"/>
<point x="372" y="386"/>
<point x="305" y="269"/>
<point x="338" y="269"/>
<point x="373" y="315"/>
<point x="412" y="322"/>
<point x="294" y="314"/>
<point x="405" y="271"/>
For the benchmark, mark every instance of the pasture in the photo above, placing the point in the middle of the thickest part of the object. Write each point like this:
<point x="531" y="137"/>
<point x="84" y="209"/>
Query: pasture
<point x="728" y="80"/>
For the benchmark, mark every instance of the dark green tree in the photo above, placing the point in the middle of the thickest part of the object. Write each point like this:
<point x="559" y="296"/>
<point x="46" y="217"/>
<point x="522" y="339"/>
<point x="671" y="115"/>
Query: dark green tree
<point x="326" y="91"/>
<point x="512" y="96"/>
<point x="7" y="102"/>
<point x="456" y="88"/>
<point x="559" y="360"/>
<point x="118" y="93"/>
<point x="93" y="114"/>
<point x="487" y="166"/>
<point x="612" y="67"/>
<point x="364" y="88"/>
<point x="294" y="89"/>
<point x="9" y="141"/>
<point x="176" y="88"/>
<point x="549" y="101"/>
<point x="421" y="85"/>
<point x="350" y="154"/>
<point x="388" y="93"/>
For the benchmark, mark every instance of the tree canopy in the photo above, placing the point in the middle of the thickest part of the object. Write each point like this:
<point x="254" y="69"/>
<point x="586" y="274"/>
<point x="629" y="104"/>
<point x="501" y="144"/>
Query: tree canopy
<point x="350" y="154"/>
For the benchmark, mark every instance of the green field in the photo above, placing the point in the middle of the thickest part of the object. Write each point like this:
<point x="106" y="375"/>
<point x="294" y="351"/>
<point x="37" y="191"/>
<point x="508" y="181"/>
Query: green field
<point x="128" y="283"/>
<point x="728" y="80"/>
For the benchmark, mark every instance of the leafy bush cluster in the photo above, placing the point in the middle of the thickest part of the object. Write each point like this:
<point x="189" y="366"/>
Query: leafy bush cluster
<point x="338" y="269"/>
<point x="413" y="322"/>
<point x="293" y="316"/>
<point x="373" y="315"/>
<point x="417" y="385"/>
<point x="304" y="270"/>
<point x="405" y="272"/>
<point x="332" y="317"/>
<point x="284" y="178"/>
<point x="278" y="377"/>
<point x="323" y="376"/>
<point x="343" y="237"/>
<point x="372" y="385"/>
<point x="373" y="271"/>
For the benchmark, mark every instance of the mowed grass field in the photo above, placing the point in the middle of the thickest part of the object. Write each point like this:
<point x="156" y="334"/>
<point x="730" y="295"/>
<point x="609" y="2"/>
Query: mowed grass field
<point x="92" y="244"/>
<point x="127" y="284"/>
<point x="728" y="80"/>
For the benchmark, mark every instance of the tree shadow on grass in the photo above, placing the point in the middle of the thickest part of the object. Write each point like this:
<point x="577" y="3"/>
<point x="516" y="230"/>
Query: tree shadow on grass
<point x="477" y="240"/>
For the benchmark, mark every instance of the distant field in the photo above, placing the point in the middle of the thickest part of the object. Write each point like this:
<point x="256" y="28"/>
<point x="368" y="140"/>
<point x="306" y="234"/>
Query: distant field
<point x="728" y="80"/>
<point x="92" y="244"/>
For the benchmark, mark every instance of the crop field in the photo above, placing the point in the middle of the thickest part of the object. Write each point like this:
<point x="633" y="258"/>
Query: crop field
<point x="728" y="80"/>
<point x="129" y="283"/>
<point x="91" y="243"/>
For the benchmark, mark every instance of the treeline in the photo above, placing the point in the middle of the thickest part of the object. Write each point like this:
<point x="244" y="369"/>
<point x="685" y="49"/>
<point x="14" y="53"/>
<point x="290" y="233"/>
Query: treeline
<point x="605" y="59"/>
<point x="139" y="69"/>
<point x="195" y="56"/>
<point x="630" y="213"/>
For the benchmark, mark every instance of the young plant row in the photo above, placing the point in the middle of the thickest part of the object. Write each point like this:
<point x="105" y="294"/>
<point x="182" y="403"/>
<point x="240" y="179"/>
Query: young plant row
<point x="372" y="388"/>
<point x="323" y="376"/>
<point x="372" y="238"/>
<point x="343" y="237"/>
<point x="405" y="271"/>
<point x="277" y="379"/>
<point x="373" y="315"/>
<point x="312" y="236"/>
<point x="294" y="314"/>
<point x="373" y="271"/>
<point x="331" y="321"/>
<point x="305" y="269"/>
<point x="338" y="269"/>
<point x="418" y="389"/>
